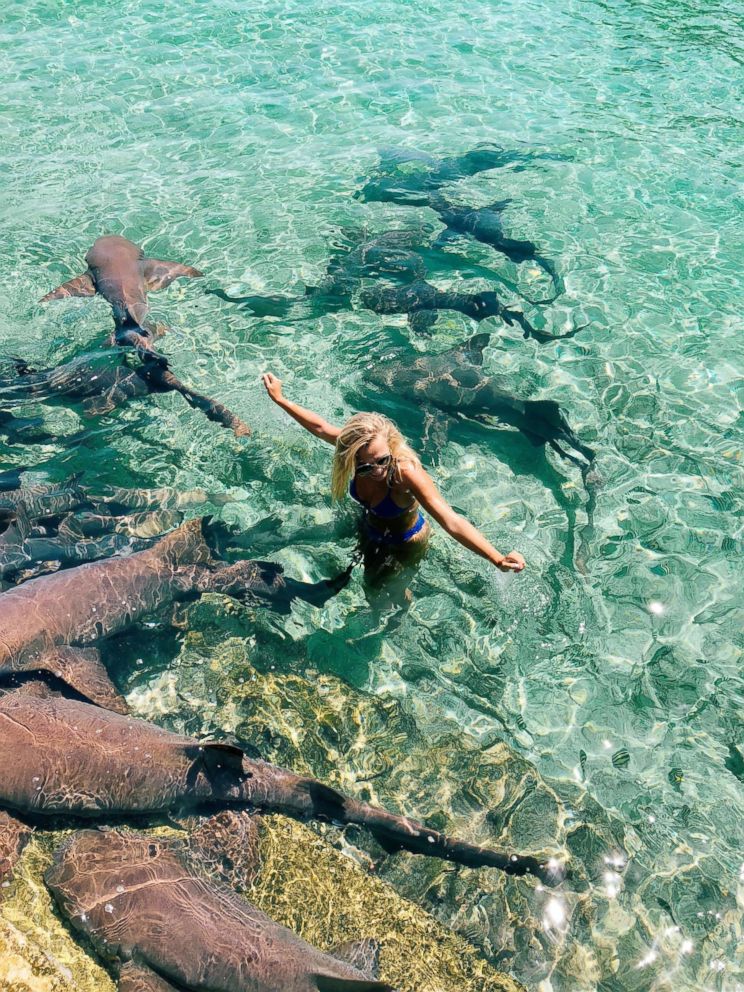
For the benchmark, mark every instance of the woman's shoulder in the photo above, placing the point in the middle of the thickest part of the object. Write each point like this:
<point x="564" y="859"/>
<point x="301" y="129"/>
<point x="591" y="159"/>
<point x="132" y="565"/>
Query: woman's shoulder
<point x="406" y="471"/>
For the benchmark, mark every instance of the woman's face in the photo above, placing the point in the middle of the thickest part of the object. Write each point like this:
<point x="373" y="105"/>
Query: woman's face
<point x="376" y="453"/>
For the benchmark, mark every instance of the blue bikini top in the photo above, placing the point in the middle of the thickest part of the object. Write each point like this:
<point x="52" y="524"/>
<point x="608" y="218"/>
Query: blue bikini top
<point x="387" y="508"/>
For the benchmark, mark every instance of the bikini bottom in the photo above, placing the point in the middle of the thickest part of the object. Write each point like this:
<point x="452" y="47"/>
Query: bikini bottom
<point x="385" y="537"/>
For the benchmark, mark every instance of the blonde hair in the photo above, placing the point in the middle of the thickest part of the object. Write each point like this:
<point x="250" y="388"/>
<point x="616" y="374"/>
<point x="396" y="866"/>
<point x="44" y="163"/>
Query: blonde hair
<point x="357" y="433"/>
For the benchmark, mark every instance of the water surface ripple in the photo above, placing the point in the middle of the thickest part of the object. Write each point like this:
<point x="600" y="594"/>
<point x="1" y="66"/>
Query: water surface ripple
<point x="232" y="137"/>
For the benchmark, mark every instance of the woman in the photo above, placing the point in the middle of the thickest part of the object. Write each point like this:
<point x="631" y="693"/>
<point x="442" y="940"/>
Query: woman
<point x="386" y="477"/>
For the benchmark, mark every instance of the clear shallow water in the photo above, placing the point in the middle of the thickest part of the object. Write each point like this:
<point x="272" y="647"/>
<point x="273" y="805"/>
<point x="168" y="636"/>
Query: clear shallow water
<point x="233" y="139"/>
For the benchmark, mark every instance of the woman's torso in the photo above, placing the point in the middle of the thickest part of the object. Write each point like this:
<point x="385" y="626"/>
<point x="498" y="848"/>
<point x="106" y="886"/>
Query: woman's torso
<point x="392" y="513"/>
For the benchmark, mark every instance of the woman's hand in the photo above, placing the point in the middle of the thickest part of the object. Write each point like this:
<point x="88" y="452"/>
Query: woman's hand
<point x="273" y="386"/>
<point x="513" y="562"/>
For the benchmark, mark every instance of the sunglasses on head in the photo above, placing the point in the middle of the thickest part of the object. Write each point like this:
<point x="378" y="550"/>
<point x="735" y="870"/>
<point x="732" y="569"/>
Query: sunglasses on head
<point x="368" y="467"/>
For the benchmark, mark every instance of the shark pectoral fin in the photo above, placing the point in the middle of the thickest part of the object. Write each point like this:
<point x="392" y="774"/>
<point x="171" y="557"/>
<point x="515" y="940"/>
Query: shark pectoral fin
<point x="135" y="977"/>
<point x="83" y="670"/>
<point x="498" y="205"/>
<point x="159" y="274"/>
<point x="364" y="955"/>
<point x="14" y="835"/>
<point x="81" y="285"/>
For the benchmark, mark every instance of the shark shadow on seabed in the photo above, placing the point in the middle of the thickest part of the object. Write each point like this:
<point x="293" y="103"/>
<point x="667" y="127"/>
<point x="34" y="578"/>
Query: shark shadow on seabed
<point x="405" y="172"/>
<point x="421" y="187"/>
<point x="101" y="382"/>
<point x="402" y="287"/>
<point x="454" y="382"/>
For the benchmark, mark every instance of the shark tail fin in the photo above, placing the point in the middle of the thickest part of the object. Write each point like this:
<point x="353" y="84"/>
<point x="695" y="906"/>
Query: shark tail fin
<point x="185" y="545"/>
<point x="20" y="366"/>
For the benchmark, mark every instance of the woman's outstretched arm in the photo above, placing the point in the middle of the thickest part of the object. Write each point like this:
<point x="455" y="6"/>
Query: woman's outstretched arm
<point x="418" y="481"/>
<point x="305" y="418"/>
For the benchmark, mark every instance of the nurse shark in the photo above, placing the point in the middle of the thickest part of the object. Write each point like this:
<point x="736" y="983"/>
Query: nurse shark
<point x="64" y="615"/>
<point x="162" y="926"/>
<point x="120" y="272"/>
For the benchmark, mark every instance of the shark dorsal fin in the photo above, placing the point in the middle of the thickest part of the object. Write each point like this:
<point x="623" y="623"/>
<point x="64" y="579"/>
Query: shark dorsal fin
<point x="219" y="756"/>
<point x="185" y="545"/>
<point x="20" y="528"/>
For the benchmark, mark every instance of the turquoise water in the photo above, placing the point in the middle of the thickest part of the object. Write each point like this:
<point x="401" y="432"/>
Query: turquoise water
<point x="233" y="137"/>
